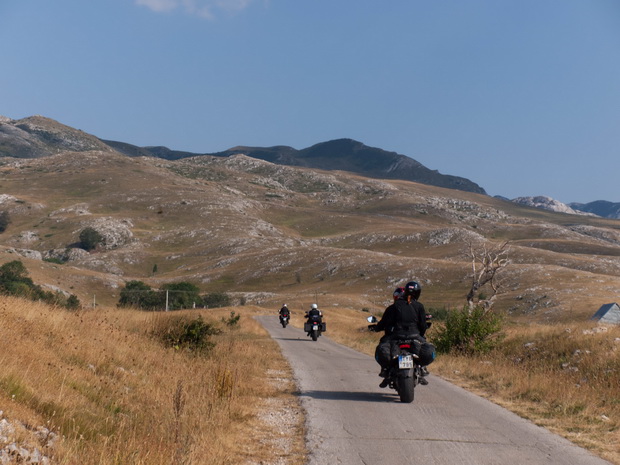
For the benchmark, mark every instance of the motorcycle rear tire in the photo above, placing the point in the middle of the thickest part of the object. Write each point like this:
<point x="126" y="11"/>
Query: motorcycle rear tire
<point x="406" y="389"/>
<point x="315" y="335"/>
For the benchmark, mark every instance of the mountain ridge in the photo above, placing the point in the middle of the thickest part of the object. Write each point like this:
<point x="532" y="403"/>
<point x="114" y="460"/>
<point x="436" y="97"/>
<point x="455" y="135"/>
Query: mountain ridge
<point x="38" y="136"/>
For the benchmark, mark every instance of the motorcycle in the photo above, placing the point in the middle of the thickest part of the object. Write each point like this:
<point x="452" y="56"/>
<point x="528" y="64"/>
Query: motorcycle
<point x="284" y="319"/>
<point x="408" y="356"/>
<point x="314" y="328"/>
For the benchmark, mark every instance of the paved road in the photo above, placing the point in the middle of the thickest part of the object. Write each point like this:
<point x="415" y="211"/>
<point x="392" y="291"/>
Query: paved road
<point x="351" y="421"/>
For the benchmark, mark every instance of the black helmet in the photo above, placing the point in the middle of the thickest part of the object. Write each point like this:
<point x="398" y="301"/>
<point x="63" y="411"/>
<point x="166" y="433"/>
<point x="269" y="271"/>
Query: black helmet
<point x="398" y="292"/>
<point x="413" y="289"/>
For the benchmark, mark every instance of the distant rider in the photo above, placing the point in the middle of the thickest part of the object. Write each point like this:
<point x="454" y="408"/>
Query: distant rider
<point x="405" y="318"/>
<point x="284" y="312"/>
<point x="314" y="314"/>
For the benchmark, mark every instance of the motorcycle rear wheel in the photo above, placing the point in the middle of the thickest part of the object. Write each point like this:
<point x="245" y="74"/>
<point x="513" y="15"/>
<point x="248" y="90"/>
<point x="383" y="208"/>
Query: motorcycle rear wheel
<point x="406" y="390"/>
<point x="315" y="335"/>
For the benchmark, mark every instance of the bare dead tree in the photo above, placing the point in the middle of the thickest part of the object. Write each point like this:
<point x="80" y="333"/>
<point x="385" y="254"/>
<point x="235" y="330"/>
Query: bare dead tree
<point x="486" y="264"/>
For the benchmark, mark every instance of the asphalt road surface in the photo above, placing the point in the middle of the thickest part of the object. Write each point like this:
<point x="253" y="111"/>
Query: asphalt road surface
<point x="351" y="421"/>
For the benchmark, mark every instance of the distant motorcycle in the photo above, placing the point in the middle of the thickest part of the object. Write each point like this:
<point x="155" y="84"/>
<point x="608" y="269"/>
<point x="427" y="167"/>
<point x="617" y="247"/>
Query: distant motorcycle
<point x="314" y="328"/>
<point x="408" y="356"/>
<point x="284" y="319"/>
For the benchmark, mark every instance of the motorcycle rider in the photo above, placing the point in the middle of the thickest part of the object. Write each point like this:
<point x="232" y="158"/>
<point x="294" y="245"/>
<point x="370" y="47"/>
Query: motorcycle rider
<point x="406" y="317"/>
<point x="284" y="312"/>
<point x="314" y="314"/>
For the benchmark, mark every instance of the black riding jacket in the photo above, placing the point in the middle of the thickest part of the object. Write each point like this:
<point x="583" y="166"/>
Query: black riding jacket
<point x="314" y="314"/>
<point x="403" y="319"/>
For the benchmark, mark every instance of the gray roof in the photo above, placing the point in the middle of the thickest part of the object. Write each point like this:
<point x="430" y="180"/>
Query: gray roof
<point x="608" y="313"/>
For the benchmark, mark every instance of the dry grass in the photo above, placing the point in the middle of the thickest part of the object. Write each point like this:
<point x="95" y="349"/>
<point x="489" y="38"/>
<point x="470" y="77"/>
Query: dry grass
<point x="565" y="378"/>
<point x="116" y="395"/>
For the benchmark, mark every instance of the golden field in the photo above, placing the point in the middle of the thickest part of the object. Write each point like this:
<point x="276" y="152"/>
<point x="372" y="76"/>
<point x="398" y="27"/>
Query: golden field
<point x="98" y="388"/>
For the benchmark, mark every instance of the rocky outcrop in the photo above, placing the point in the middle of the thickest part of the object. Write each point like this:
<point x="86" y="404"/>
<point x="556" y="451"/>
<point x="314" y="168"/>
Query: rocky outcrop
<point x="37" y="136"/>
<point x="115" y="232"/>
<point x="547" y="203"/>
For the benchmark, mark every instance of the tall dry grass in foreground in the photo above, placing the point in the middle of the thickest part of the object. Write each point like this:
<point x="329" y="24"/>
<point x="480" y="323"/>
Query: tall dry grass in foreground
<point x="563" y="377"/>
<point x="116" y="395"/>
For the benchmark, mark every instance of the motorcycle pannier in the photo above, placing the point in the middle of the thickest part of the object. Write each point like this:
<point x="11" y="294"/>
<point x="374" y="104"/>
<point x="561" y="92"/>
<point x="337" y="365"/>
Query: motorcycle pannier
<point x="308" y="327"/>
<point x="427" y="354"/>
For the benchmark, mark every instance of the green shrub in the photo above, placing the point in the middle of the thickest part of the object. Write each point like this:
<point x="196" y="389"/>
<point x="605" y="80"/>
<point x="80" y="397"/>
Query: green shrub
<point x="439" y="314"/>
<point x="468" y="331"/>
<point x="233" y="320"/>
<point x="73" y="303"/>
<point x="185" y="333"/>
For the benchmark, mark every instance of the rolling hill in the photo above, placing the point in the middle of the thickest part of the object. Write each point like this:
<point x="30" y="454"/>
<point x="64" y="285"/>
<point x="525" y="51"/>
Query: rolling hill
<point x="268" y="232"/>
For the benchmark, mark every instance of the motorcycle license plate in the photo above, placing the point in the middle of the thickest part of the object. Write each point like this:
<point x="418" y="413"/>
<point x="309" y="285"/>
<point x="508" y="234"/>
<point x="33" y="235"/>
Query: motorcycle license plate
<point x="405" y="361"/>
<point x="315" y="327"/>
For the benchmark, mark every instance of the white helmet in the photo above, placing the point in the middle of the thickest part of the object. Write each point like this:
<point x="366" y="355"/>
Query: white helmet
<point x="315" y="306"/>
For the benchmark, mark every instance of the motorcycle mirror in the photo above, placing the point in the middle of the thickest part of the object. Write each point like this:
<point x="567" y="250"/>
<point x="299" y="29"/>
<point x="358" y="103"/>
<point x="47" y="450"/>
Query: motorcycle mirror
<point x="371" y="319"/>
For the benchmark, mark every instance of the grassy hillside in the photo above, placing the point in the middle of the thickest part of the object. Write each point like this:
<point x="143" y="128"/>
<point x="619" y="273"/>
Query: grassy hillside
<point x="270" y="233"/>
<point x="103" y="388"/>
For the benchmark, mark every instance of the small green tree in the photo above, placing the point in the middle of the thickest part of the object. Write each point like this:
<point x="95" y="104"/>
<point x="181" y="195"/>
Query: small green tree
<point x="14" y="280"/>
<point x="14" y="271"/>
<point x="140" y="295"/>
<point x="90" y="239"/>
<point x="216" y="299"/>
<point x="182" y="295"/>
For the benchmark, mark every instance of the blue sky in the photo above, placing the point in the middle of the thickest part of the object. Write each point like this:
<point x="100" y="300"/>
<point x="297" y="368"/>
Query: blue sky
<point x="521" y="97"/>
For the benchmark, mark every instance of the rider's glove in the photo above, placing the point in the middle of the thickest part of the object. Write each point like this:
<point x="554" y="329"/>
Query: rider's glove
<point x="372" y="327"/>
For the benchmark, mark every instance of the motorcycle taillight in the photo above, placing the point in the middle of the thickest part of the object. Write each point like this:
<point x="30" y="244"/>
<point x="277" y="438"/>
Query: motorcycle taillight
<point x="405" y="346"/>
